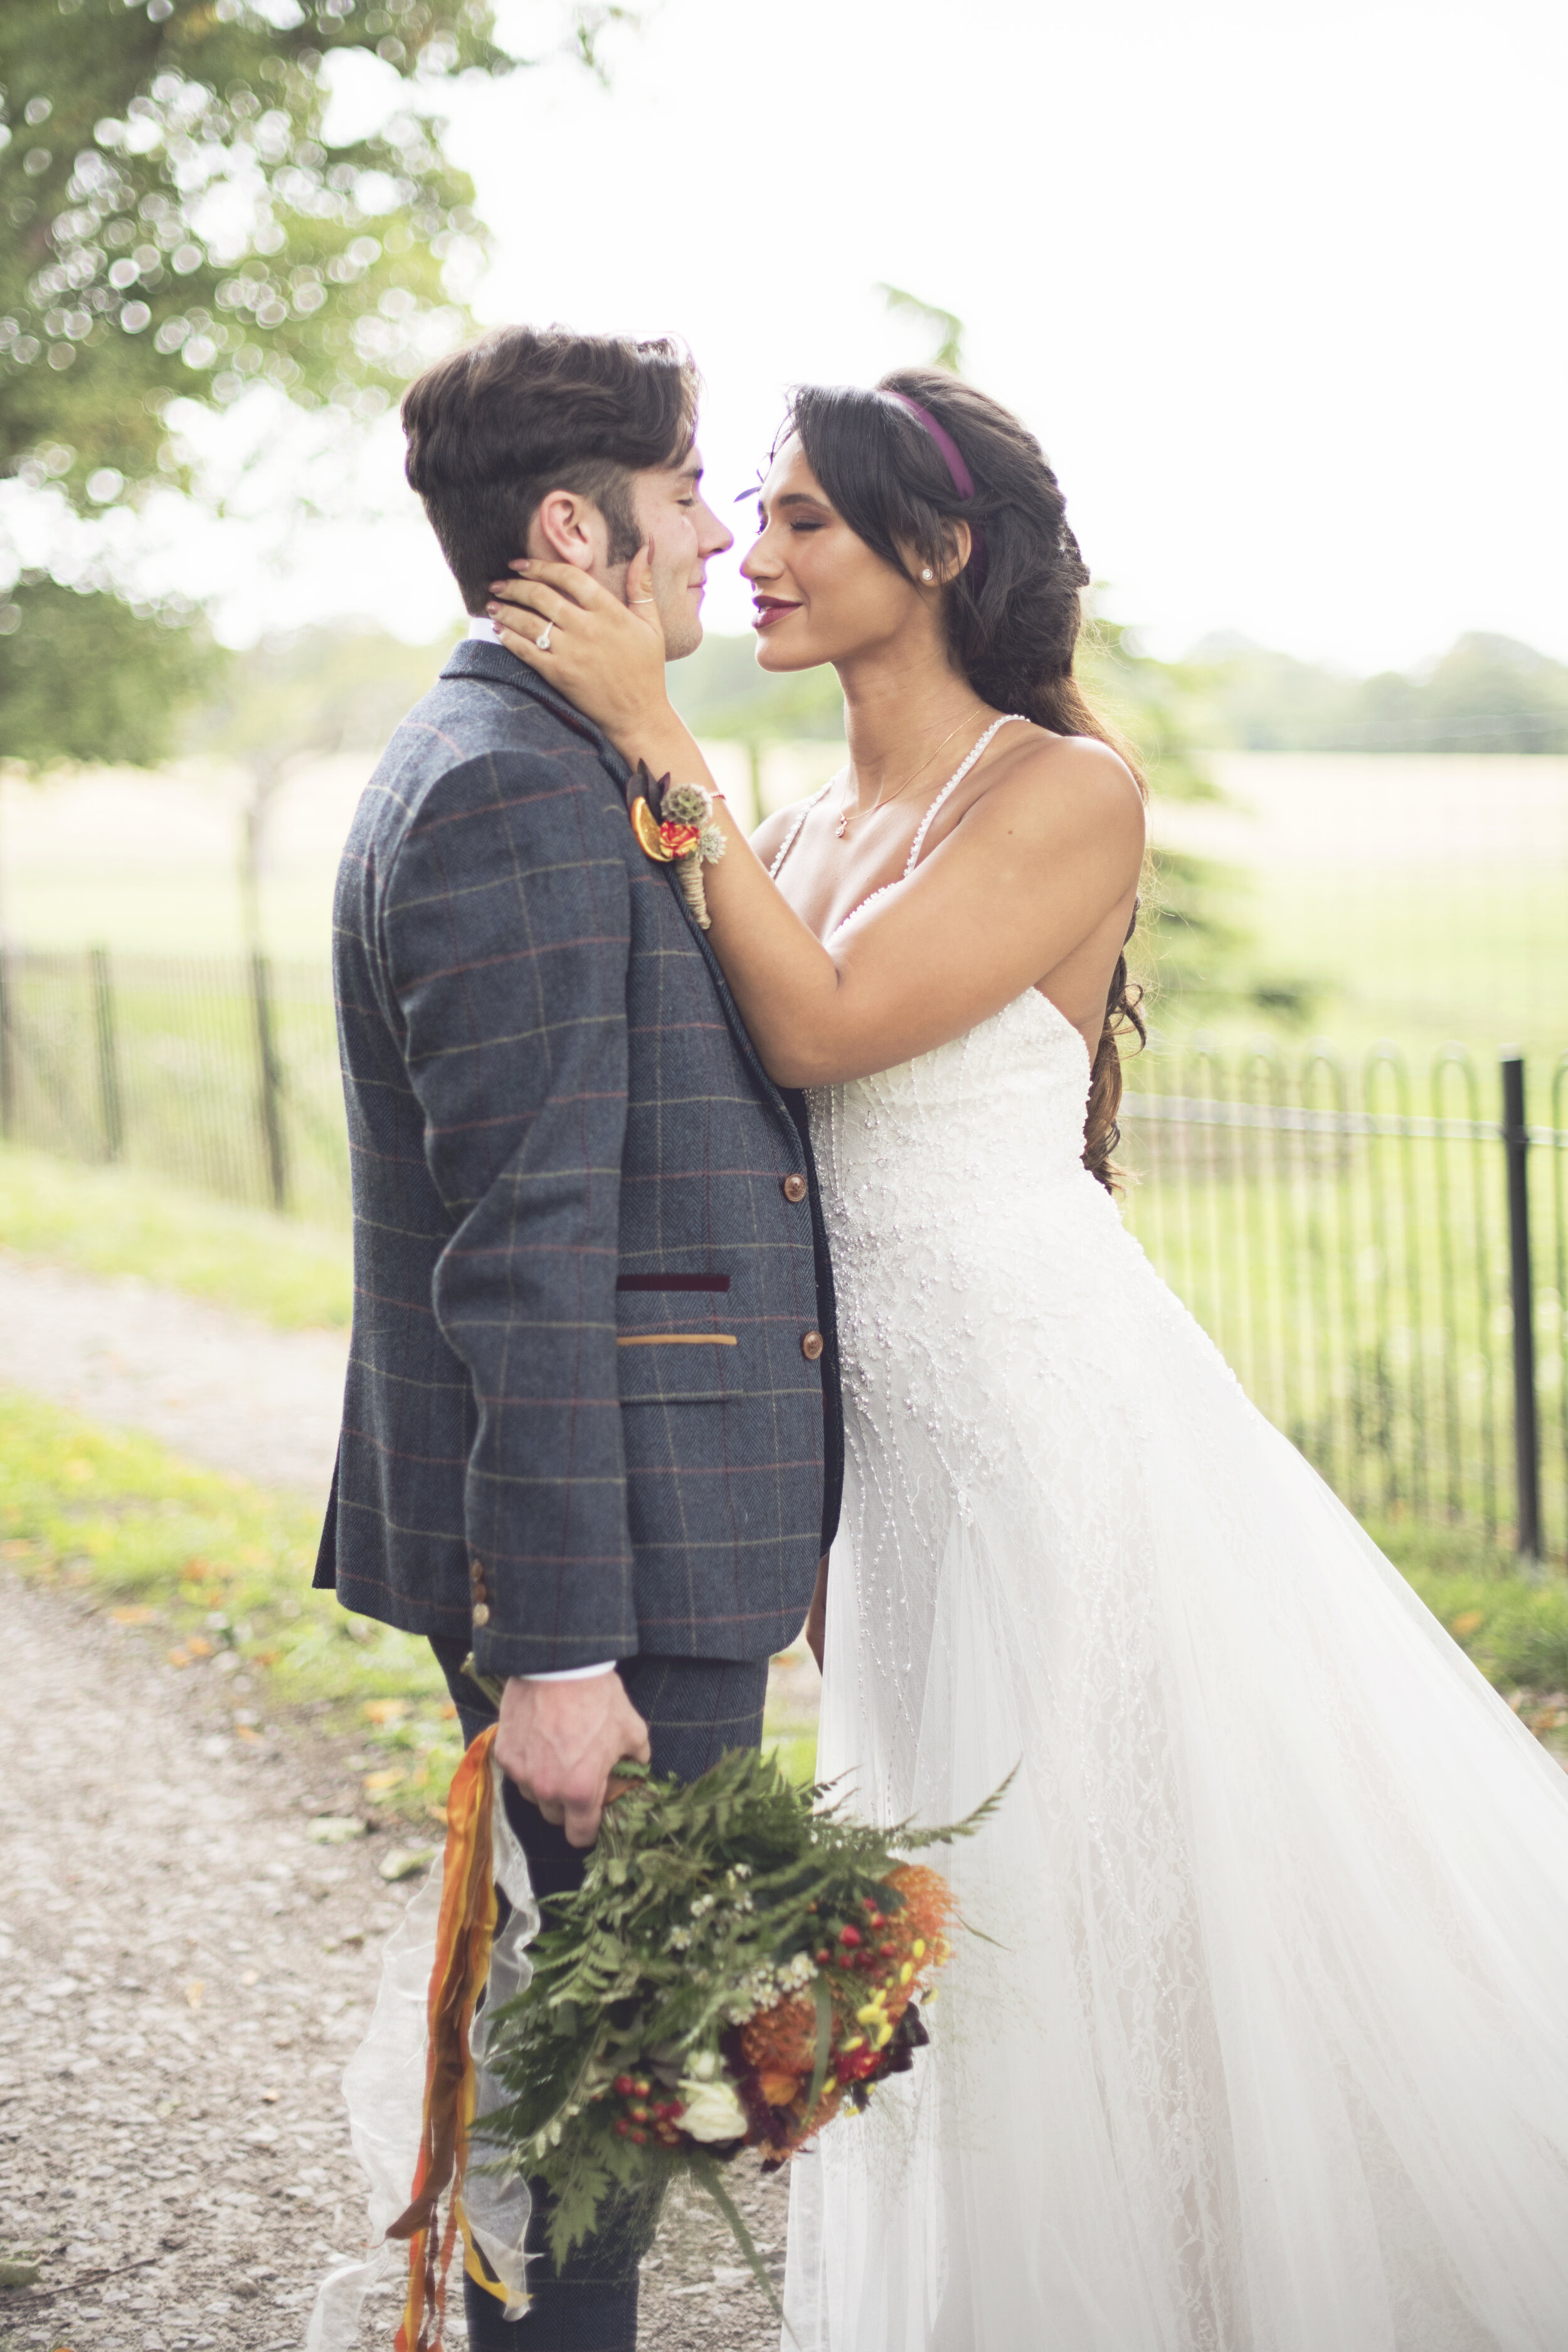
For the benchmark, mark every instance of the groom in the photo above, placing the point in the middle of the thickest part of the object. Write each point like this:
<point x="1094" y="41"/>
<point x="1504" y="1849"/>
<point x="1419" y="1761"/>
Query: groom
<point x="592" y="1426"/>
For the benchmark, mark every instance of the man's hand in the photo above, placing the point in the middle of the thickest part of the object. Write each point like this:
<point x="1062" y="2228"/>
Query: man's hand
<point x="605" y="656"/>
<point x="561" y="1742"/>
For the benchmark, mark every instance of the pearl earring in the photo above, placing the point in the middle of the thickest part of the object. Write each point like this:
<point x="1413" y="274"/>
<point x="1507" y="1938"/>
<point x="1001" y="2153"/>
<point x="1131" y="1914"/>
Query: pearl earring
<point x="927" y="574"/>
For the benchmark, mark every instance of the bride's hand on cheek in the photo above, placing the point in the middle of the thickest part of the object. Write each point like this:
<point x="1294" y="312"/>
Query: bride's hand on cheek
<point x="605" y="656"/>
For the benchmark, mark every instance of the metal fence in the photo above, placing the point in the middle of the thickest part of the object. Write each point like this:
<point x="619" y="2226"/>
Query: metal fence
<point x="1383" y="1265"/>
<point x="1381" y="1254"/>
<point x="221" y="1075"/>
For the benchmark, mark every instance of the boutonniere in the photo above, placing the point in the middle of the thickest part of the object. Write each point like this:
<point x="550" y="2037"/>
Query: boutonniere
<point x="674" y="825"/>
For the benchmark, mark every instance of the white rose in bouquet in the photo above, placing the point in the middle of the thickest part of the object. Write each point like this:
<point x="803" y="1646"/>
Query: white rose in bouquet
<point x="713" y="2113"/>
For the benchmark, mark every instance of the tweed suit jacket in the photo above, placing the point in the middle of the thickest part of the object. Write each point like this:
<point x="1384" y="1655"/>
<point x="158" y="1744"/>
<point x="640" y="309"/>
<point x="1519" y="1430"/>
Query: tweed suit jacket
<point x="584" y="1415"/>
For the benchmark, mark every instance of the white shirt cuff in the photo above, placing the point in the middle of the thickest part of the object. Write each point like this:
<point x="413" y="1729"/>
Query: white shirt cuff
<point x="571" y="1673"/>
<point x="485" y="631"/>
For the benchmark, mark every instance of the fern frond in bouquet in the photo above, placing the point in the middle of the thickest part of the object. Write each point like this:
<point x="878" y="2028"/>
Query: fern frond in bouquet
<point x="741" y="1959"/>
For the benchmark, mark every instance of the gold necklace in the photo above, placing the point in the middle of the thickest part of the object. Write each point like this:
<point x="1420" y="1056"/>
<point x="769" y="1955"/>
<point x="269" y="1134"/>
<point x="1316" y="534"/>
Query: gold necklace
<point x="847" y="813"/>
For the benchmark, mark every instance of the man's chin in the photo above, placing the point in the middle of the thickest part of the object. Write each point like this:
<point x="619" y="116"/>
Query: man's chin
<point x="683" y="638"/>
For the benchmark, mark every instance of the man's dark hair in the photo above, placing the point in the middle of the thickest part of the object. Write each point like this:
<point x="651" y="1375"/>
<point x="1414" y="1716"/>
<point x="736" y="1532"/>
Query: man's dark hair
<point x="494" y="428"/>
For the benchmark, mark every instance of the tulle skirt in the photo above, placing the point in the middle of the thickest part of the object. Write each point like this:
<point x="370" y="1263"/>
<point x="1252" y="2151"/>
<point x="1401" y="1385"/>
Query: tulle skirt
<point x="1261" y="2043"/>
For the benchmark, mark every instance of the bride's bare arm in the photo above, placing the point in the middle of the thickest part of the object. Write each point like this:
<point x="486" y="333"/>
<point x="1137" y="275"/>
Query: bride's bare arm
<point x="1041" y="860"/>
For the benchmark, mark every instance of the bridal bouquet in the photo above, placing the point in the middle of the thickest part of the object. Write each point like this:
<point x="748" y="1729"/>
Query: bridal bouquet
<point x="741" y="1963"/>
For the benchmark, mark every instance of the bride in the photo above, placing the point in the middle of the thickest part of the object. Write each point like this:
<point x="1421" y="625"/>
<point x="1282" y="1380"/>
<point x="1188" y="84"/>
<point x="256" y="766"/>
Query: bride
<point x="1262" y="2046"/>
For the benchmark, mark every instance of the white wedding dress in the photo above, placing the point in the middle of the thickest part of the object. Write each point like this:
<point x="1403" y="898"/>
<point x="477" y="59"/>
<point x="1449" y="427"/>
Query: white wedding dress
<point x="1268" y="2049"/>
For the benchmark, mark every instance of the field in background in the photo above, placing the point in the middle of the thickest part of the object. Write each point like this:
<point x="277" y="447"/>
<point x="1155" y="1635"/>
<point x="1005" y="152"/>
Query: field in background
<point x="1351" y="1257"/>
<point x="1425" y="895"/>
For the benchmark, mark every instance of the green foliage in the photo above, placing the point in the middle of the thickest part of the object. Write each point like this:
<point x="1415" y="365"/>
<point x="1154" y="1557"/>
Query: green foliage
<point x="1195" y="949"/>
<point x="702" y="1905"/>
<point x="1486" y="694"/>
<point x="178" y="226"/>
<point x="720" y="692"/>
<point x="221" y="1571"/>
<point x="84" y="678"/>
<point x="946" y="325"/>
<point x="117" y="1221"/>
<point x="335" y="687"/>
<point x="1514" y="1627"/>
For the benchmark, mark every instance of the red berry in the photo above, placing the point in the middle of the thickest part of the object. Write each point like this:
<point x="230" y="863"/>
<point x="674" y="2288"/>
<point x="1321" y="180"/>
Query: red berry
<point x="639" y="2137"/>
<point x="887" y="1950"/>
<point x="823" y="1958"/>
<point x="622" y="2086"/>
<point x="641" y="2087"/>
<point x="850" y="1936"/>
<point x="622" y="2125"/>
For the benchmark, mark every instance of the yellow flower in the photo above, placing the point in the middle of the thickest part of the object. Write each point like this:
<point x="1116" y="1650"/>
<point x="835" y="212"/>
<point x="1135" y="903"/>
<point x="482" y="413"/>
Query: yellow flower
<point x="906" y="1972"/>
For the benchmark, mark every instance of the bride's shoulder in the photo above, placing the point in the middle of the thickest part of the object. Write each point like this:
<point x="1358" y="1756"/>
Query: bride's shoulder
<point x="1055" y="782"/>
<point x="777" y="825"/>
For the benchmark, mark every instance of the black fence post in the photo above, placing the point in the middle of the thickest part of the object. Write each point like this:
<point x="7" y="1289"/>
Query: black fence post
<point x="1526" y="1430"/>
<point x="109" y="1100"/>
<point x="271" y="1083"/>
<point x="7" y="1063"/>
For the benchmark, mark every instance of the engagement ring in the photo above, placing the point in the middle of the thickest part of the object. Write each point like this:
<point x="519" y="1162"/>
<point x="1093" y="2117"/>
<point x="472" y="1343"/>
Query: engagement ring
<point x="541" y="642"/>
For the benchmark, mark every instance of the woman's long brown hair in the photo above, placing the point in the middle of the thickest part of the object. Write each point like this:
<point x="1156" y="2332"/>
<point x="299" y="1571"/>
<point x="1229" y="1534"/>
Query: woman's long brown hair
<point x="1014" y="632"/>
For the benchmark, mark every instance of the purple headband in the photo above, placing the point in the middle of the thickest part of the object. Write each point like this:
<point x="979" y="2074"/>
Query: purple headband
<point x="952" y="458"/>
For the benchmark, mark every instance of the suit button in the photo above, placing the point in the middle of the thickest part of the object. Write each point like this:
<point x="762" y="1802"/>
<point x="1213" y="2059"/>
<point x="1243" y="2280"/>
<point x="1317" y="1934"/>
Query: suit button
<point x="812" y="1346"/>
<point x="482" y="1613"/>
<point x="794" y="1188"/>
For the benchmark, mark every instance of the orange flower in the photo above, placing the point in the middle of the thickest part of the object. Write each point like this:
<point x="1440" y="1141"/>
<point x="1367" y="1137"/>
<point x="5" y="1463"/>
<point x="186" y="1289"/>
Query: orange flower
<point x="679" y="839"/>
<point x="779" y="2090"/>
<point x="783" y="2040"/>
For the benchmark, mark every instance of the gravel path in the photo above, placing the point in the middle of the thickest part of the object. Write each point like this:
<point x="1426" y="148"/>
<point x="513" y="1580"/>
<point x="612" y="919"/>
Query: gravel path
<point x="183" y="1970"/>
<point x="213" y="1386"/>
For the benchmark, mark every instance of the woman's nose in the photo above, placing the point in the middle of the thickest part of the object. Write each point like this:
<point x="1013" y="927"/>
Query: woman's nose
<point x="756" y="564"/>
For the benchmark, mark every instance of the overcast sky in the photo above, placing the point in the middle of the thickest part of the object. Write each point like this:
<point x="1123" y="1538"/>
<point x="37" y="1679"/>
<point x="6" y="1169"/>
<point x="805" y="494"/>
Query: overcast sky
<point x="1279" y="288"/>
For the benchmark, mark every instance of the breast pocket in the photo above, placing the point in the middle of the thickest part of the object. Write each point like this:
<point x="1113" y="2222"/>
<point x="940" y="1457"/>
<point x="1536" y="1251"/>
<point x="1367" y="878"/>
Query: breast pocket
<point x="674" y="1343"/>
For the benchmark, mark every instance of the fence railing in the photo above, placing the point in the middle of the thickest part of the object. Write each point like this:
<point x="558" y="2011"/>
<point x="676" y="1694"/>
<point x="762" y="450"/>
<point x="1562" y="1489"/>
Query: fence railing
<point x="1381" y="1254"/>
<point x="222" y="1076"/>
<point x="1383" y="1265"/>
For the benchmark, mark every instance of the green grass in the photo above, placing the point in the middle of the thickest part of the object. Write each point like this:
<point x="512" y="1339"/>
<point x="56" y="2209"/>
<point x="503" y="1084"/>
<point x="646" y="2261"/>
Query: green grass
<point x="1515" y="1629"/>
<point x="218" y="1573"/>
<point x="111" y="1221"/>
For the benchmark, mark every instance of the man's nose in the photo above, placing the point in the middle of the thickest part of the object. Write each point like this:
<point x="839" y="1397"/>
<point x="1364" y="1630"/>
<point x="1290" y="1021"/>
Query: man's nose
<point x="717" y="537"/>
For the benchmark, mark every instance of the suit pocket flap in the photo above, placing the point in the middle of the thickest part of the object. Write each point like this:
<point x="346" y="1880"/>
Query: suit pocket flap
<point x="659" y="1364"/>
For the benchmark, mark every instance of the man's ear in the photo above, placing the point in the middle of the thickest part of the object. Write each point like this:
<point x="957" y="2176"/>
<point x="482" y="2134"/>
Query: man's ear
<point x="564" y="528"/>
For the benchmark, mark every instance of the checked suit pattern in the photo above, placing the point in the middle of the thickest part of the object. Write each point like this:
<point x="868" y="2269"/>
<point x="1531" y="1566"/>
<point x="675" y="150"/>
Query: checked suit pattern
<point x="588" y="1411"/>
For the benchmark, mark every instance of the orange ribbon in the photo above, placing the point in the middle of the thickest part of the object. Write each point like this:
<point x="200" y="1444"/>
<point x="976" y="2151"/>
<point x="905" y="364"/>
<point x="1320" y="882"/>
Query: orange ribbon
<point x="457" y="1979"/>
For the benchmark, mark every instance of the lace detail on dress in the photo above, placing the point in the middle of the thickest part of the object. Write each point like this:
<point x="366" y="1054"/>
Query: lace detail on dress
<point x="1267" y="2052"/>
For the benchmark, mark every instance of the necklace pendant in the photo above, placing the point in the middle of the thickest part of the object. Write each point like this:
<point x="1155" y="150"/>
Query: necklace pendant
<point x="843" y="825"/>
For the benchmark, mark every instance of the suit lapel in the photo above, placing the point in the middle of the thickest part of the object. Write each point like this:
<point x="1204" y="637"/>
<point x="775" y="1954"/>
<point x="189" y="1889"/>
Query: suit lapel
<point x="474" y="657"/>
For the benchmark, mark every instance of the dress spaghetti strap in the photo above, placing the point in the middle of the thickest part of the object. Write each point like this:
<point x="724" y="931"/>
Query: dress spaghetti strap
<point x="1013" y="718"/>
<point x="789" y="839"/>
